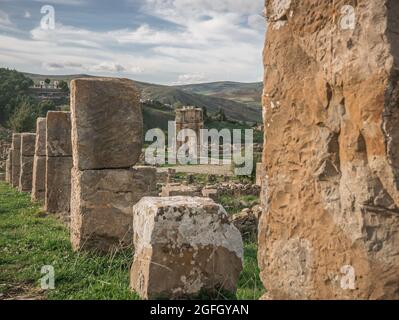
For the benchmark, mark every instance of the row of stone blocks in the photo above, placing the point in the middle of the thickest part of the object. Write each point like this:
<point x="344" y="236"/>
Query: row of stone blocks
<point x="183" y="245"/>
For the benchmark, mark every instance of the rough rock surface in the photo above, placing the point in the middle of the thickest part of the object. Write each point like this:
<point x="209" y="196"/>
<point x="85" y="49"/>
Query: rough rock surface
<point x="39" y="162"/>
<point x="25" y="178"/>
<point x="40" y="146"/>
<point x="16" y="158"/>
<point x="101" y="205"/>
<point x="247" y="221"/>
<point x="183" y="245"/>
<point x="9" y="167"/>
<point x="27" y="151"/>
<point x="107" y="123"/>
<point x="331" y="156"/>
<point x="39" y="179"/>
<point x="176" y="189"/>
<point x="58" y="185"/>
<point x="58" y="134"/>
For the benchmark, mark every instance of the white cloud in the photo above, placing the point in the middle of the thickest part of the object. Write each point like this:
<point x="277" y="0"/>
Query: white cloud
<point x="190" y="78"/>
<point x="214" y="40"/>
<point x="5" y="19"/>
<point x="27" y="14"/>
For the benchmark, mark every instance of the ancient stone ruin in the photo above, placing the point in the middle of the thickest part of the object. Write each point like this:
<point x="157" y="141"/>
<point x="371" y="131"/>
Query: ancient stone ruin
<point x="106" y="141"/>
<point x="9" y="166"/>
<point x="16" y="159"/>
<point x="58" y="163"/>
<point x="331" y="159"/>
<point x="39" y="162"/>
<point x="191" y="118"/>
<point x="26" y="169"/>
<point x="184" y="246"/>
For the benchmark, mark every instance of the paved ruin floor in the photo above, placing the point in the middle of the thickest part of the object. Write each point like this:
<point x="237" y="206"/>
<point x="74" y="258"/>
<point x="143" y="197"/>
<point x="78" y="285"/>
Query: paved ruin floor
<point x="30" y="239"/>
<point x="220" y="170"/>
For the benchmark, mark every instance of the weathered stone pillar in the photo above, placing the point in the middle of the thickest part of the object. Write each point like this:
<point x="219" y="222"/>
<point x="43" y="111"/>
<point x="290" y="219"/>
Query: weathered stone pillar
<point x="184" y="246"/>
<point x="58" y="163"/>
<point x="27" y="152"/>
<point x="106" y="142"/>
<point x="330" y="229"/>
<point x="16" y="159"/>
<point x="9" y="167"/>
<point x="39" y="162"/>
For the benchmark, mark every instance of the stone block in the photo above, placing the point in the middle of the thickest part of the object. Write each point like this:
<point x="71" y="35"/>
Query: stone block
<point x="16" y="158"/>
<point x="175" y="189"/>
<point x="58" y="134"/>
<point x="101" y="205"/>
<point x="25" y="178"/>
<point x="28" y="141"/>
<point x="184" y="246"/>
<point x="58" y="185"/>
<point x="40" y="146"/>
<point x="39" y="178"/>
<point x="9" y="167"/>
<point x="107" y="123"/>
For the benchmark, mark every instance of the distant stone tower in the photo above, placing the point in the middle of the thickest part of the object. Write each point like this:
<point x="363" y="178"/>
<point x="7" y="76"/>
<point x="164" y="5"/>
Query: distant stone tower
<point x="189" y="117"/>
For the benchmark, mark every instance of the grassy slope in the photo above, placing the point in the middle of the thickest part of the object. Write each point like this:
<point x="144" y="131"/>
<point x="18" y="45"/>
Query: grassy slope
<point x="30" y="240"/>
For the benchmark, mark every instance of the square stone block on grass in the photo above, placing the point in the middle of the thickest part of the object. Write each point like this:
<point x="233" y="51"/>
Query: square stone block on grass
<point x="107" y="123"/>
<point x="101" y="206"/>
<point x="184" y="246"/>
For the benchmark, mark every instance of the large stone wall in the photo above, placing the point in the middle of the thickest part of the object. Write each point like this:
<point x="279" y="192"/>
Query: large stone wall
<point x="331" y="157"/>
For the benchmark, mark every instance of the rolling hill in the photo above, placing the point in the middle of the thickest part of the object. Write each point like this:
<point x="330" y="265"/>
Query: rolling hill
<point x="239" y="101"/>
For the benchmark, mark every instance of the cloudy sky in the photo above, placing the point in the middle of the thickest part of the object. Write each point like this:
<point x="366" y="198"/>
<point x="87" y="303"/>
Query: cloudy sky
<point x="161" y="41"/>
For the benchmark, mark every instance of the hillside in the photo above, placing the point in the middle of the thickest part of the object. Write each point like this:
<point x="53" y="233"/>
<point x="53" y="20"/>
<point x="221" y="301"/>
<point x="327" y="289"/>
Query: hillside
<point x="247" y="93"/>
<point x="239" y="101"/>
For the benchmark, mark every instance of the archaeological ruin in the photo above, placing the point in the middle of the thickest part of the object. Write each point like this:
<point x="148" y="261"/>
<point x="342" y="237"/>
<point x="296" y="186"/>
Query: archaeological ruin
<point x="177" y="253"/>
<point x="58" y="163"/>
<point x="26" y="166"/>
<point x="16" y="159"/>
<point x="106" y="142"/>
<point x="39" y="162"/>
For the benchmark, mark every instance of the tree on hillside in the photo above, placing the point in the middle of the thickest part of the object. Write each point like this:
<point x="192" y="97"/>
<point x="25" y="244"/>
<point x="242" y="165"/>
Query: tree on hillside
<point x="24" y="118"/>
<point x="13" y="88"/>
<point x="63" y="85"/>
<point x="47" y="81"/>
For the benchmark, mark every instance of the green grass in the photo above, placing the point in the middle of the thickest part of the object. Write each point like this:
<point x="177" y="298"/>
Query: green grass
<point x="29" y="240"/>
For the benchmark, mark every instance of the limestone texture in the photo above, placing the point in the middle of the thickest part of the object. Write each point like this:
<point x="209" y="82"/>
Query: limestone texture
<point x="107" y="123"/>
<point x="39" y="179"/>
<point x="184" y="246"/>
<point x="330" y="227"/>
<point x="40" y="146"/>
<point x="58" y="134"/>
<point x="39" y="162"/>
<point x="16" y="158"/>
<point x="9" y="166"/>
<point x="101" y="206"/>
<point x="58" y="185"/>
